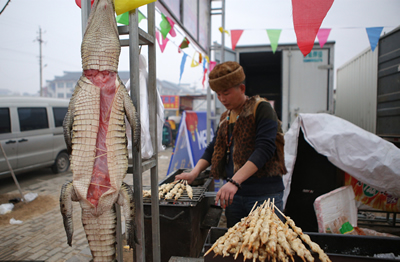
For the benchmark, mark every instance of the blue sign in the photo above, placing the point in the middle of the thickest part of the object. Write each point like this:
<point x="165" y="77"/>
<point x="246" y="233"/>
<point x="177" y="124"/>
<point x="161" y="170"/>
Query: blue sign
<point x="191" y="141"/>
<point x="313" y="56"/>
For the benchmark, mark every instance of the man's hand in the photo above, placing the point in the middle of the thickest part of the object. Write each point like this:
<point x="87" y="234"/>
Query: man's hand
<point x="190" y="177"/>
<point x="225" y="194"/>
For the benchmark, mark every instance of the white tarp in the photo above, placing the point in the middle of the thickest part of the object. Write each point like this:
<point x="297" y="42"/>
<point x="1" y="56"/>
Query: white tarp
<point x="365" y="156"/>
<point x="145" y="139"/>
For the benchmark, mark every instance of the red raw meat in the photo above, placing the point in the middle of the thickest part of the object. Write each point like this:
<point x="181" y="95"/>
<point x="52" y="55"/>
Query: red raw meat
<point x="100" y="182"/>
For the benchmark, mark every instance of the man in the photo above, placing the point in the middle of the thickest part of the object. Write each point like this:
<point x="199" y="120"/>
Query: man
<point x="247" y="150"/>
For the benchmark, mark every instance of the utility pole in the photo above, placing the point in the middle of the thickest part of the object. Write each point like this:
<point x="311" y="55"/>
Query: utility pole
<point x="40" y="40"/>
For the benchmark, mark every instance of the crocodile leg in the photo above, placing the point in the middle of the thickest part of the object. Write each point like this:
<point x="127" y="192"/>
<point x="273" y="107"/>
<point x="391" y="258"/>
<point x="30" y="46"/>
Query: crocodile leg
<point x="126" y="200"/>
<point x="133" y="119"/>
<point x="67" y="196"/>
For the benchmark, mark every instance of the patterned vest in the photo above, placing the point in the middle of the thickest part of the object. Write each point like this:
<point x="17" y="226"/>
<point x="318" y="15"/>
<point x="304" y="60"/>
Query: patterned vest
<point x="244" y="144"/>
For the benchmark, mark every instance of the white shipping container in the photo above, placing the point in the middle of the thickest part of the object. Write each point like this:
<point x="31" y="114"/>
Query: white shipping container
<point x="356" y="90"/>
<point x="294" y="83"/>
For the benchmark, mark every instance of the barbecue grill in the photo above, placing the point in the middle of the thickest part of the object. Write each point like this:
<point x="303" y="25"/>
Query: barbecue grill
<point x="184" y="223"/>
<point x="339" y="248"/>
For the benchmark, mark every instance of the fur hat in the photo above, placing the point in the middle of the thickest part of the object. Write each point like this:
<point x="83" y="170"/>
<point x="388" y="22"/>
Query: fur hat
<point x="225" y="76"/>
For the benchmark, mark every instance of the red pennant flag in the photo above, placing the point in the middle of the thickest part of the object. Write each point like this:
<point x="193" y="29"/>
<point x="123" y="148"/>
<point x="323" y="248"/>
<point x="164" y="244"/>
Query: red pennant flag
<point x="204" y="76"/>
<point x="164" y="42"/>
<point x="212" y="65"/>
<point x="307" y="19"/>
<point x="235" y="36"/>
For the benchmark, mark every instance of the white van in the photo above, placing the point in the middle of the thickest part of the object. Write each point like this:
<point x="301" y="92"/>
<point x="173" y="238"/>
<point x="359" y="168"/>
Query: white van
<point x="31" y="134"/>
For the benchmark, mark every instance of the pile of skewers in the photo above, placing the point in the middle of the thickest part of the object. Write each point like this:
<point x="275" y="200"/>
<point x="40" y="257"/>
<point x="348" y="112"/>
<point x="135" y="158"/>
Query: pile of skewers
<point x="172" y="190"/>
<point x="262" y="235"/>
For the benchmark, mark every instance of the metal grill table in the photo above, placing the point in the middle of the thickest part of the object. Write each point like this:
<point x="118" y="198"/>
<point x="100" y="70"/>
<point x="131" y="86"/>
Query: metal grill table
<point x="184" y="223"/>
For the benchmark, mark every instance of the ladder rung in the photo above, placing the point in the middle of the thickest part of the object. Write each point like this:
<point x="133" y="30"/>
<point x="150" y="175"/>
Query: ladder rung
<point x="144" y="37"/>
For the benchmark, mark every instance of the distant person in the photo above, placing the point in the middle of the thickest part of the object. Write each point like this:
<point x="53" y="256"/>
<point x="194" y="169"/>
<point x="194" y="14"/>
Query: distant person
<point x="247" y="150"/>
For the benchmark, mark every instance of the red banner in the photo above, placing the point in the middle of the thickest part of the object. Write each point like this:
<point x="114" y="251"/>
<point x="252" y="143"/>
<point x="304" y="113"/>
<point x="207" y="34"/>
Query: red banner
<point x="170" y="102"/>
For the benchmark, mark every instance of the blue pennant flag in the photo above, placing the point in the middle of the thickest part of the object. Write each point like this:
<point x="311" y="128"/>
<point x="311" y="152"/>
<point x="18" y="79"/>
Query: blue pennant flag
<point x="373" y="34"/>
<point x="182" y="65"/>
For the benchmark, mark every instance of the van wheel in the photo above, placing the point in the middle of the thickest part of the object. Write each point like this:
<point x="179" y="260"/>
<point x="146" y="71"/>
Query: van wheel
<point x="61" y="164"/>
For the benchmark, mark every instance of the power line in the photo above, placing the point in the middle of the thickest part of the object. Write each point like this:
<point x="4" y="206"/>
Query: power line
<point x="5" y="6"/>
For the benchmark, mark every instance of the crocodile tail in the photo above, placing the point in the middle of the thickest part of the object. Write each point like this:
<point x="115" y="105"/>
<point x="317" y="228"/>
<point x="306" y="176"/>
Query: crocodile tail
<point x="100" y="233"/>
<point x="66" y="197"/>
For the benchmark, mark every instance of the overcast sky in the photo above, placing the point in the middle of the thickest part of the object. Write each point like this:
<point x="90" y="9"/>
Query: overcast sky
<point x="60" y="21"/>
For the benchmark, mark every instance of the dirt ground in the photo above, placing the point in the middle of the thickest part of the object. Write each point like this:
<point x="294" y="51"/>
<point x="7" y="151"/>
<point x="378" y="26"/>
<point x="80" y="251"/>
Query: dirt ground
<point x="24" y="211"/>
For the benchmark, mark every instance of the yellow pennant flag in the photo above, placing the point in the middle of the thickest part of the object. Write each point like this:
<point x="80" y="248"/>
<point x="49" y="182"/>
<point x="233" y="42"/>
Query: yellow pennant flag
<point x="223" y="31"/>
<point x="122" y="6"/>
<point x="194" y="62"/>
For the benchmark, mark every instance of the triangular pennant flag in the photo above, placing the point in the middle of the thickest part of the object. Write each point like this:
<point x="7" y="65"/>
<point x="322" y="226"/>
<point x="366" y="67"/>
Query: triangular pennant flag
<point x="322" y="36"/>
<point x="307" y="19"/>
<point x="207" y="58"/>
<point x="124" y="18"/>
<point x="141" y="17"/>
<point x="204" y="69"/>
<point x="204" y="76"/>
<point x="163" y="43"/>
<point x="235" y="36"/>
<point x="122" y="6"/>
<point x="223" y="30"/>
<point x="212" y="65"/>
<point x="165" y="26"/>
<point x="182" y="65"/>
<point x="273" y="35"/>
<point x="184" y="44"/>
<point x="194" y="62"/>
<point x="172" y="23"/>
<point x="373" y="35"/>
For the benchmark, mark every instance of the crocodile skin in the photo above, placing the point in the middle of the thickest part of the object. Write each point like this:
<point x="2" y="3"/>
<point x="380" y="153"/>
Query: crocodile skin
<point x="94" y="131"/>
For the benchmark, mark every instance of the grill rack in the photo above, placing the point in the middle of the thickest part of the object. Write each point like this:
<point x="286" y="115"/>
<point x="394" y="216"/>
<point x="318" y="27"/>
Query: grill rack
<point x="198" y="191"/>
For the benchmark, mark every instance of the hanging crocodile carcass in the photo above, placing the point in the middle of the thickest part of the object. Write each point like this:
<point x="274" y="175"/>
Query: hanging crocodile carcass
<point x="94" y="130"/>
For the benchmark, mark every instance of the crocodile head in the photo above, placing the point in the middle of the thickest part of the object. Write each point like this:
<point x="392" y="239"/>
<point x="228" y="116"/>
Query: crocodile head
<point x="100" y="47"/>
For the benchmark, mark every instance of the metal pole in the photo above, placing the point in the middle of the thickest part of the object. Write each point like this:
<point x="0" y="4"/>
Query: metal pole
<point x="85" y="12"/>
<point x="12" y="173"/>
<point x="153" y="107"/>
<point x="223" y="34"/>
<point x="136" y="151"/>
<point x="289" y="83"/>
<point x="40" y="60"/>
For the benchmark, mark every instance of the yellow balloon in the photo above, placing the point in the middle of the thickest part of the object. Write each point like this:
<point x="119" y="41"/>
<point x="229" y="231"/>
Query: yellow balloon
<point x="122" y="6"/>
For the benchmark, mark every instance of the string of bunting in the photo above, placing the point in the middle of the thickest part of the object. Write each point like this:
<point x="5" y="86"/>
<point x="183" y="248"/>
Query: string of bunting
<point x="308" y="16"/>
<point x="373" y="34"/>
<point x="166" y="29"/>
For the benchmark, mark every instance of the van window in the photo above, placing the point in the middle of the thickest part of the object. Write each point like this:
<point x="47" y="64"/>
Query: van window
<point x="5" y="125"/>
<point x="59" y="114"/>
<point x="32" y="118"/>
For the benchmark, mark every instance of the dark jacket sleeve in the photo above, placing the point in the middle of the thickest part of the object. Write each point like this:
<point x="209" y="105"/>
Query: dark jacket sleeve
<point x="208" y="152"/>
<point x="267" y="127"/>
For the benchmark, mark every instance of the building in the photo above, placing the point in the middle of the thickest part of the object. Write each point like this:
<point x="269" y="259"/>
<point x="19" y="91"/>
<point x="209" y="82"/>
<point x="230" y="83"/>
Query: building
<point x="63" y="86"/>
<point x="186" y="97"/>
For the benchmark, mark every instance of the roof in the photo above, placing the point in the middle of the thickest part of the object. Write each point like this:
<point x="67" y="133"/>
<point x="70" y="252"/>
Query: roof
<point x="74" y="76"/>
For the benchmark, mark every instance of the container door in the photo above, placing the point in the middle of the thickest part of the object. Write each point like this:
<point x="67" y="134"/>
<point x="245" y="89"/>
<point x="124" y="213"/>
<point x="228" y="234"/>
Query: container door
<point x="305" y="83"/>
<point x="8" y="141"/>
<point x="35" y="141"/>
<point x="388" y="100"/>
